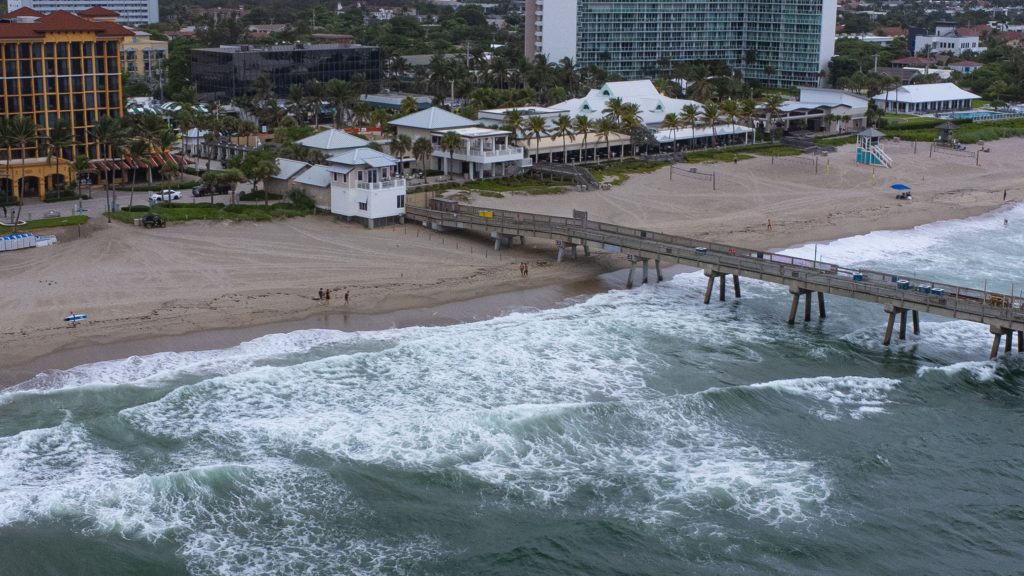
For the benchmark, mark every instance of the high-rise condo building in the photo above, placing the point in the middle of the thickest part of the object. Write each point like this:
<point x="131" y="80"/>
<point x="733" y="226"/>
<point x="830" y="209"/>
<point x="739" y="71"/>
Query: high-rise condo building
<point x="777" y="42"/>
<point x="132" y="12"/>
<point x="55" y="66"/>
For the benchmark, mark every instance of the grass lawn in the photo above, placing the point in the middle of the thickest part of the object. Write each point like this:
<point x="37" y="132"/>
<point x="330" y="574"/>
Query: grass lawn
<point x="620" y="171"/>
<point x="498" y="188"/>
<point x="741" y="153"/>
<point x="46" y="223"/>
<point x="236" y="212"/>
<point x="158" y="186"/>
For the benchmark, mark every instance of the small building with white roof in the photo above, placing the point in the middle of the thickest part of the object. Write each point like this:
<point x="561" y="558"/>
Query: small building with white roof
<point x="652" y="104"/>
<point x="926" y="99"/>
<point x="812" y="110"/>
<point x="425" y="122"/>
<point x="365" y="186"/>
<point x="333" y="141"/>
<point x="282" y="182"/>
<point x="496" y="117"/>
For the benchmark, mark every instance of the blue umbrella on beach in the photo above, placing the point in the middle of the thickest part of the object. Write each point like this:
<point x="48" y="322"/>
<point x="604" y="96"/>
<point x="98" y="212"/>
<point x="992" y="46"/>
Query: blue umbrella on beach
<point x="900" y="187"/>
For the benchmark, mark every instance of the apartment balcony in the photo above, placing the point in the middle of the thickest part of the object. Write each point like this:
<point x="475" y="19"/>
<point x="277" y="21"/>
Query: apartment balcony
<point x="485" y="155"/>
<point x="383" y="185"/>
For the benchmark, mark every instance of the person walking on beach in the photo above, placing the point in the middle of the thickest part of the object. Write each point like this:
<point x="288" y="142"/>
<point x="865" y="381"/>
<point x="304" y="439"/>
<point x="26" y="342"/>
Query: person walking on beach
<point x="769" y="224"/>
<point x="522" y="268"/>
<point x="346" y="295"/>
<point x="327" y="295"/>
<point x="321" y="296"/>
<point x="1004" y="200"/>
<point x="526" y="269"/>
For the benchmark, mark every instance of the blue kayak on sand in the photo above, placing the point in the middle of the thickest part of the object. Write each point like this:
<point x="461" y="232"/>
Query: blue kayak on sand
<point x="75" y="318"/>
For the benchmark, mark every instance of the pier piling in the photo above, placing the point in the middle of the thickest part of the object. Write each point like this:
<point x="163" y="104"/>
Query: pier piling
<point x="657" y="268"/>
<point x="736" y="284"/>
<point x="903" y="324"/>
<point x="917" y="321"/>
<point x="888" y="327"/>
<point x="1009" y="341"/>
<point x="721" y="287"/>
<point x="629" y="279"/>
<point x="807" y="305"/>
<point x="821" y="304"/>
<point x="996" y="336"/>
<point x="644" y="279"/>
<point x="793" y="307"/>
<point x="711" y="286"/>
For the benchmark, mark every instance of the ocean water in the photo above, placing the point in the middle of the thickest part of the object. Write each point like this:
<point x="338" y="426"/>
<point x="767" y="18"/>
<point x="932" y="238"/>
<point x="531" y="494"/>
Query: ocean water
<point x="631" y="432"/>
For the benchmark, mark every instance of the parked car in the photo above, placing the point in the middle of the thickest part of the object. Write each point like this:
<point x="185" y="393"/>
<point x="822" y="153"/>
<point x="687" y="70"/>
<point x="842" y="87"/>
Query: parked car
<point x="165" y="196"/>
<point x="204" y="190"/>
<point x="152" y="220"/>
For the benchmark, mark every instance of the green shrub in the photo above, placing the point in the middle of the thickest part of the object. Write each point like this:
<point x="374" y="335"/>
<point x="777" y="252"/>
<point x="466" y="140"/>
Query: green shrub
<point x="301" y="201"/>
<point x="258" y="196"/>
<point x="136" y="208"/>
<point x="53" y="197"/>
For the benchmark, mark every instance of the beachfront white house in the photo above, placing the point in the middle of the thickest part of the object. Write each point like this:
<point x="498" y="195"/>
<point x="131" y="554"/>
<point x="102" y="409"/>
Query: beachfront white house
<point x="652" y="104"/>
<point x="366" y="186"/>
<point x="816" y="104"/>
<point x="926" y="99"/>
<point x="481" y="153"/>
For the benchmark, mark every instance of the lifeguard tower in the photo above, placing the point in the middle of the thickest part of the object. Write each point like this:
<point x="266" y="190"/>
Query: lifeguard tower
<point x="869" y="150"/>
<point x="945" y="137"/>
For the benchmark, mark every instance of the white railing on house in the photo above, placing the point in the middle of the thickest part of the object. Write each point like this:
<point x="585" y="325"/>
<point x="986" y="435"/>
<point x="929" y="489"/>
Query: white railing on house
<point x="383" y="185"/>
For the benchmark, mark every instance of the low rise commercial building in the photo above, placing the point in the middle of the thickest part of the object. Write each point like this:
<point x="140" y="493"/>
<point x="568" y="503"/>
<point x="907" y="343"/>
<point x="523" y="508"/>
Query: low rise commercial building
<point x="926" y="99"/>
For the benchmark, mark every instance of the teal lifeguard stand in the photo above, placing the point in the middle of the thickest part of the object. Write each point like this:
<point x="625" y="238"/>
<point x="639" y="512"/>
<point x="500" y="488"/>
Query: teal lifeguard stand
<point x="869" y="149"/>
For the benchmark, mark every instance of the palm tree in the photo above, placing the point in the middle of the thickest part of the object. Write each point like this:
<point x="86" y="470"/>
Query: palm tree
<point x="613" y="109"/>
<point x="629" y="116"/>
<point x="23" y="133"/>
<point x="672" y="123"/>
<point x="422" y="149"/>
<point x="109" y="133"/>
<point x="563" y="129"/>
<point x="513" y="120"/>
<point x="710" y="117"/>
<point x="400" y="146"/>
<point x="315" y="92"/>
<point x="450" y="142"/>
<point x="257" y="166"/>
<point x="605" y="127"/>
<point x="60" y="139"/>
<point x="583" y="126"/>
<point x="80" y="165"/>
<point x="748" y="109"/>
<point x="535" y="128"/>
<point x="408" y="105"/>
<point x="339" y="92"/>
<point x="6" y="141"/>
<point x="701" y="90"/>
<point x="772" y="109"/>
<point x="297" y="102"/>
<point x="829" y="119"/>
<point x="139" y="150"/>
<point x="730" y="108"/>
<point x="691" y="114"/>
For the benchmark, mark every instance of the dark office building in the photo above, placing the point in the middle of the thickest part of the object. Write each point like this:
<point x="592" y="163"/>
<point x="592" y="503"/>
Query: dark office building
<point x="229" y="71"/>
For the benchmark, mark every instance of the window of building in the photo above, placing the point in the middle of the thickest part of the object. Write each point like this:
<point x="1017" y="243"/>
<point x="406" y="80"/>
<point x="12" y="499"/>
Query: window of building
<point x="362" y="206"/>
<point x="401" y="201"/>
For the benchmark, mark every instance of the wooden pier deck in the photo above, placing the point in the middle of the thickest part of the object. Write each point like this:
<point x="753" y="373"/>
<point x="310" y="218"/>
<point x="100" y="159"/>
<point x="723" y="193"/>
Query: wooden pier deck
<point x="897" y="293"/>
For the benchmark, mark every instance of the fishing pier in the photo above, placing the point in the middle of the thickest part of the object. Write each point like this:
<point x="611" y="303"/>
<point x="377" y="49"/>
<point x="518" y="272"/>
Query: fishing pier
<point x="899" y="295"/>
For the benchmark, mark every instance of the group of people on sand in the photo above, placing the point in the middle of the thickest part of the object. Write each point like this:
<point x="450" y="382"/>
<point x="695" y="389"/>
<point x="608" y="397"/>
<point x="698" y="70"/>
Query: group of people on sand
<point x="325" y="296"/>
<point x="524" y="269"/>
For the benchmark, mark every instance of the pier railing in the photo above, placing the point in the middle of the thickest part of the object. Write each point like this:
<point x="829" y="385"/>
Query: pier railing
<point x="905" y="291"/>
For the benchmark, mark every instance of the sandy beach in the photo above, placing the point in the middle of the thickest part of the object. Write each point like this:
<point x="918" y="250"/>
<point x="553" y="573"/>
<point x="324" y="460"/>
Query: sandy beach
<point x="249" y="279"/>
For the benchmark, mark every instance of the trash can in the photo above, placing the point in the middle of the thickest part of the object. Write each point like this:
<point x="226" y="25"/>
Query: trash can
<point x="700" y="250"/>
<point x="939" y="292"/>
<point x="903" y="284"/>
<point x="924" y="289"/>
<point x="858" y="277"/>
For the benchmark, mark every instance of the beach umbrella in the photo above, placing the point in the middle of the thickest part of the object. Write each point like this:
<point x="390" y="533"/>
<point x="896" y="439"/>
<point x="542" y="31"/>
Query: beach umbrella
<point x="900" y="187"/>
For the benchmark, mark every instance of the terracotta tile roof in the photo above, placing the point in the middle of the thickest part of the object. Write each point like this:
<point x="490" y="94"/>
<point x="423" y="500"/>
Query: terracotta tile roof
<point x="98" y="11"/>
<point x="914" y="61"/>
<point x="61" y="21"/>
<point x="21" y="12"/>
<point x="970" y="63"/>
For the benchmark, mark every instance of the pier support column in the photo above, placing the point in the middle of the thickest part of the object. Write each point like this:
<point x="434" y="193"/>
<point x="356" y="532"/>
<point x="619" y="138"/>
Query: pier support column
<point x="821" y="304"/>
<point x="996" y="337"/>
<point x="497" y="243"/>
<point x="644" y="278"/>
<point x="711" y="286"/>
<point x="888" y="327"/>
<point x="736" y="285"/>
<point x="1020" y="340"/>
<point x="903" y="324"/>
<point x="573" y="251"/>
<point x="561" y="252"/>
<point x="807" y="305"/>
<point x="629" y="279"/>
<point x="793" y="307"/>
<point x="1009" y="341"/>
<point x="586" y="249"/>
<point x="917" y="322"/>
<point x="721" y="287"/>
<point x="657" y="269"/>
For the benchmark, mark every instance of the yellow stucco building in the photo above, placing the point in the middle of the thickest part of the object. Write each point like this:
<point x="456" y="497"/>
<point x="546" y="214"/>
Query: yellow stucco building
<point x="58" y="65"/>
<point x="143" y="56"/>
